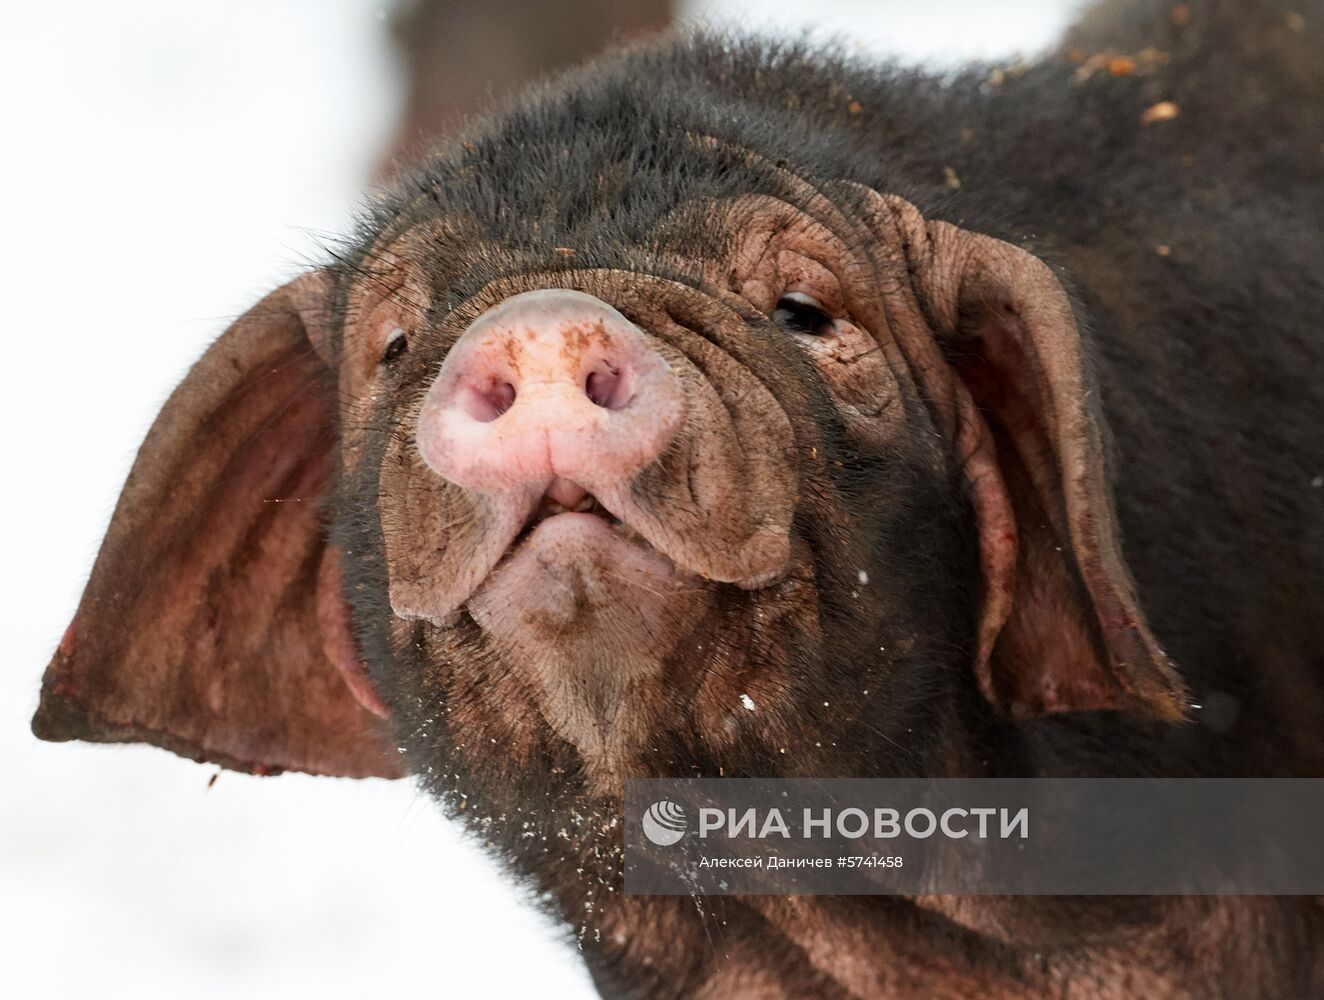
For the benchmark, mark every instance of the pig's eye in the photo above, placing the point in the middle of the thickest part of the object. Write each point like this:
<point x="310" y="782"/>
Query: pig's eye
<point x="395" y="346"/>
<point x="801" y="313"/>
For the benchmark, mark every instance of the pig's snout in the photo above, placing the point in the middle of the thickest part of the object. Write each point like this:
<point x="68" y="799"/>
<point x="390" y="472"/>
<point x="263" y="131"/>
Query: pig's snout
<point x="549" y="384"/>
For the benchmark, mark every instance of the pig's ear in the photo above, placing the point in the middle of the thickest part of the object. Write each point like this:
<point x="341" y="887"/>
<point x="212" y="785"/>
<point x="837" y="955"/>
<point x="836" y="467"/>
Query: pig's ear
<point x="202" y="629"/>
<point x="1062" y="629"/>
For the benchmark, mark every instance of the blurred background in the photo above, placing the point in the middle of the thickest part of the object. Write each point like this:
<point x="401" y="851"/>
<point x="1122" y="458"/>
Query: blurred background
<point x="169" y="163"/>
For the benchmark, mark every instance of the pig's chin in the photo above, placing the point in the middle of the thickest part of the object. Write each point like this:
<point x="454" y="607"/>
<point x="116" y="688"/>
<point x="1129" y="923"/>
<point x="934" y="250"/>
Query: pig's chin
<point x="571" y="573"/>
<point x="593" y="621"/>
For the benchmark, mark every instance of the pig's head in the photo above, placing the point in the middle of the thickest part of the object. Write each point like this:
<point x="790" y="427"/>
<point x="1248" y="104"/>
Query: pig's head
<point x="647" y="430"/>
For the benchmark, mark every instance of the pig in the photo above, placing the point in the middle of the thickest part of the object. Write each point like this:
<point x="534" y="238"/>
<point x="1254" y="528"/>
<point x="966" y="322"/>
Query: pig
<point x="733" y="408"/>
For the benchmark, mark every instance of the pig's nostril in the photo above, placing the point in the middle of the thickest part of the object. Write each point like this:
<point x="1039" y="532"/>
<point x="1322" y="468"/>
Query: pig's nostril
<point x="485" y="405"/>
<point x="605" y="387"/>
<point x="502" y="396"/>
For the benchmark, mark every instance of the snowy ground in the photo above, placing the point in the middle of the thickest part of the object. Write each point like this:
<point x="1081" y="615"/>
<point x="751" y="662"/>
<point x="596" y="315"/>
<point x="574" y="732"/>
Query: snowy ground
<point x="166" y="164"/>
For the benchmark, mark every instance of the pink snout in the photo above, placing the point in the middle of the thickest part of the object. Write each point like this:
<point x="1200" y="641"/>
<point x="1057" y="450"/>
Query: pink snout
<point x="549" y="385"/>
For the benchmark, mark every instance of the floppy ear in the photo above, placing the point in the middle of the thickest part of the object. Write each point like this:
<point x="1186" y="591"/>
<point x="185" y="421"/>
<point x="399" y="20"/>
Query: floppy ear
<point x="1061" y="628"/>
<point x="203" y="628"/>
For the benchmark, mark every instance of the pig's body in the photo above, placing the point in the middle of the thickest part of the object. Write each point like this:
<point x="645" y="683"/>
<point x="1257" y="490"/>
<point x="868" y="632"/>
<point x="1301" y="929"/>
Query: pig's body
<point x="736" y="331"/>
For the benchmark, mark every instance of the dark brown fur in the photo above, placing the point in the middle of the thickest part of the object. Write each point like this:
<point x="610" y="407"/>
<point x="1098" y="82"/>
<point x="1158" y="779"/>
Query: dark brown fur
<point x="1191" y="247"/>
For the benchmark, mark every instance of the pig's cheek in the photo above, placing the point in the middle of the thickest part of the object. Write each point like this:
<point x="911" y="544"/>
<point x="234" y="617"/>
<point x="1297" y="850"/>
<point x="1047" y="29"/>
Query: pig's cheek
<point x="860" y="380"/>
<point x="786" y="616"/>
<point x="354" y="416"/>
<point x="364" y="402"/>
<point x="403" y="635"/>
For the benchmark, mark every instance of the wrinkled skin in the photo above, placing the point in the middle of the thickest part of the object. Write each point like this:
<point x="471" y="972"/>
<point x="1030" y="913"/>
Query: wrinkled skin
<point x="581" y="675"/>
<point x="895" y="524"/>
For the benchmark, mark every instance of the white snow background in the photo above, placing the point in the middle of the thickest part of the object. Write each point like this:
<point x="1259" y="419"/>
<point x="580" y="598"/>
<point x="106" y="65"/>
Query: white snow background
<point x="166" y="164"/>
